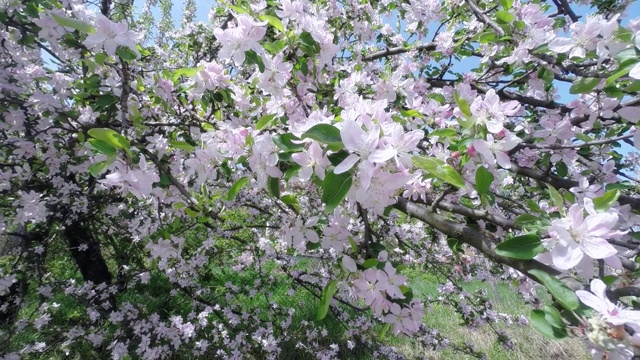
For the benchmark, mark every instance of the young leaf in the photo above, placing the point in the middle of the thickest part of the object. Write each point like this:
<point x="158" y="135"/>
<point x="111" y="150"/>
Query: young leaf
<point x="605" y="201"/>
<point x="327" y="296"/>
<point x="273" y="21"/>
<point x="557" y="199"/>
<point x="273" y="186"/>
<point x="73" y="23"/>
<point x="183" y="145"/>
<point x="334" y="188"/>
<point x="110" y="137"/>
<point x="369" y="263"/>
<point x="439" y="169"/>
<point x="462" y="104"/>
<point x="584" y="85"/>
<point x="235" y="188"/>
<point x="103" y="147"/>
<point x="540" y="323"/>
<point x="324" y="133"/>
<point x="264" y="121"/>
<point x="251" y="57"/>
<point x="565" y="296"/>
<point x="484" y="178"/>
<point x="523" y="247"/>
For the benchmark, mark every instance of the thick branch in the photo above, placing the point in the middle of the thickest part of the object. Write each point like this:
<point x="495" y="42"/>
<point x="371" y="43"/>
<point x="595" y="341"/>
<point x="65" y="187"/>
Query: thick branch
<point x="472" y="213"/>
<point x="474" y="238"/>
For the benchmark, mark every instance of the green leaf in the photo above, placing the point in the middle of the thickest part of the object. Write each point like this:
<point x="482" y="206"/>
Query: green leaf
<point x="97" y="168"/>
<point x="487" y="37"/>
<point x="251" y="57"/>
<point x="484" y="178"/>
<point x="273" y="186"/>
<point x="553" y="317"/>
<point x="412" y="113"/>
<point x="525" y="219"/>
<point x="182" y="145"/>
<point x="100" y="58"/>
<point x="505" y="16"/>
<point x="308" y="45"/>
<point x="369" y="263"/>
<point x="274" y="47"/>
<point x="334" y="189"/>
<point x="462" y="104"/>
<point x="238" y="9"/>
<point x="264" y="121"/>
<point x="562" y="169"/>
<point x="604" y="202"/>
<point x="622" y="70"/>
<point x="584" y="85"/>
<point x="73" y="23"/>
<point x="522" y="247"/>
<point x="439" y="169"/>
<point x="455" y="245"/>
<point x="273" y="21"/>
<point x="506" y="4"/>
<point x="111" y="137"/>
<point x="626" y="55"/>
<point x="326" y="134"/>
<point x="540" y="323"/>
<point x="327" y="296"/>
<point x="126" y="54"/>
<point x="285" y="142"/>
<point x="236" y="187"/>
<point x="443" y="133"/>
<point x="105" y="101"/>
<point x="292" y="201"/>
<point x="565" y="296"/>
<point x="557" y="199"/>
<point x="103" y="147"/>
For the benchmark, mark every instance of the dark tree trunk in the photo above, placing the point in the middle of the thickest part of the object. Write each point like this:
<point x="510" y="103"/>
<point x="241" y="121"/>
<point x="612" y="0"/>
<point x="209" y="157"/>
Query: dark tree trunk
<point x="11" y="302"/>
<point x="90" y="261"/>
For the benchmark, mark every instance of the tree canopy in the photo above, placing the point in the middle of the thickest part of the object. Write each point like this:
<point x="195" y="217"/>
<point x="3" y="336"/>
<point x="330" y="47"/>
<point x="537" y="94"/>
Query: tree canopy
<point x="161" y="177"/>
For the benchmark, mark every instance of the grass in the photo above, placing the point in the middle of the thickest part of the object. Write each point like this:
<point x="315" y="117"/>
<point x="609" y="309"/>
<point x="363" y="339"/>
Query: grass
<point x="529" y="344"/>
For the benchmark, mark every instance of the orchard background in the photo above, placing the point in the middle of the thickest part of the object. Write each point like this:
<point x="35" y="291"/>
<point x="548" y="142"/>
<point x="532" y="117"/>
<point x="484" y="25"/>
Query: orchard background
<point x="326" y="179"/>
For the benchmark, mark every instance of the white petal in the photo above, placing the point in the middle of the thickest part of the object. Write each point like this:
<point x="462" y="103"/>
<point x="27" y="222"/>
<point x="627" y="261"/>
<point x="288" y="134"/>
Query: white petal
<point x="631" y="113"/>
<point x="382" y="155"/>
<point x="592" y="301"/>
<point x="346" y="164"/>
<point x="566" y="257"/>
<point x="349" y="264"/>
<point x="598" y="248"/>
<point x="635" y="71"/>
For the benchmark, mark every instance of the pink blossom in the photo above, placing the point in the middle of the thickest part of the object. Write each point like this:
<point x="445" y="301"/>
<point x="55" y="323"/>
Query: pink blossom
<point x="240" y="39"/>
<point x="574" y="236"/>
<point x="110" y="35"/>
<point x="311" y="161"/>
<point x="610" y="312"/>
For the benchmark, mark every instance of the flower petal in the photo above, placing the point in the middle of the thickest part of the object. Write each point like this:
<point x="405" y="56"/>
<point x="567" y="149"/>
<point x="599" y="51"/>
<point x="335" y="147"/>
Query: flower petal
<point x="346" y="164"/>
<point x="597" y="248"/>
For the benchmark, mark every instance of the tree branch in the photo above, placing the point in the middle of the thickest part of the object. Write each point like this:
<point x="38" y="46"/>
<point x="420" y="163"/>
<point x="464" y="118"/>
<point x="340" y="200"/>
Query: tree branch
<point x="398" y="50"/>
<point x="474" y="238"/>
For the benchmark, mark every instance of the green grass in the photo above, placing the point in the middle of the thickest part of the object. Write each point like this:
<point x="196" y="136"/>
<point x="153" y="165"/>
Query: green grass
<point x="529" y="344"/>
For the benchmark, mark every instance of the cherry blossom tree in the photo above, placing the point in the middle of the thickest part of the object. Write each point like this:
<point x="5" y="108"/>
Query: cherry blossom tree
<point x="183" y="170"/>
